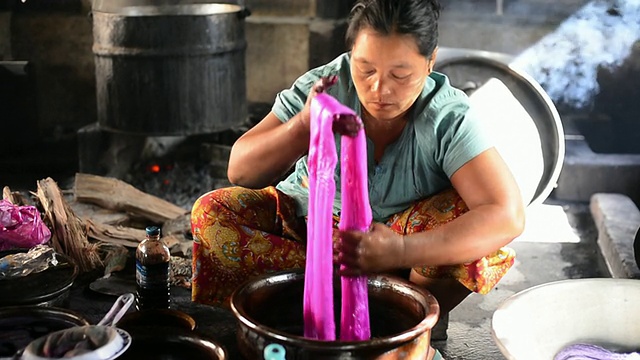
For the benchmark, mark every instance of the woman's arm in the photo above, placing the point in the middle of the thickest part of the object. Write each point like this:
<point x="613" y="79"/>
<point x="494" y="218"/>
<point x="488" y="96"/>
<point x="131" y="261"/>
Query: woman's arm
<point x="495" y="218"/>
<point x="265" y="152"/>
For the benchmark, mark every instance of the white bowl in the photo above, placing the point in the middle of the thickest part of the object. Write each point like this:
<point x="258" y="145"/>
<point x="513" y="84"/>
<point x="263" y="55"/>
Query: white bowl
<point x="539" y="322"/>
<point x="115" y="343"/>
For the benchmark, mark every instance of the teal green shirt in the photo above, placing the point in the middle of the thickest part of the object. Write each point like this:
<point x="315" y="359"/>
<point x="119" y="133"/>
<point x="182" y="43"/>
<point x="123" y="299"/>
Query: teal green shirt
<point x="437" y="141"/>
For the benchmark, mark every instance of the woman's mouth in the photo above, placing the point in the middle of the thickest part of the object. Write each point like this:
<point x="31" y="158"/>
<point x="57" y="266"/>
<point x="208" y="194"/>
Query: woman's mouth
<point x="380" y="105"/>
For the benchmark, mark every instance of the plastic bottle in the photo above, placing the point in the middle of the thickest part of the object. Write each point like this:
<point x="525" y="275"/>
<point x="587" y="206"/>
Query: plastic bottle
<point x="152" y="272"/>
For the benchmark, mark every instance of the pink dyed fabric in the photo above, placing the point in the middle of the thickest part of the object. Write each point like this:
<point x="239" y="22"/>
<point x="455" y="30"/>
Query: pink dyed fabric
<point x="318" y="314"/>
<point x="356" y="215"/>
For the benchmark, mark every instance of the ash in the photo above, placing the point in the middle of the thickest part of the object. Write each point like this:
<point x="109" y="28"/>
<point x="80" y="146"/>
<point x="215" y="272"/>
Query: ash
<point x="179" y="182"/>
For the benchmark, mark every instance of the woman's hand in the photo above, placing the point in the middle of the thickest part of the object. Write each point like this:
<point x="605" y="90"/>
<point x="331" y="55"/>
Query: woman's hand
<point x="319" y="87"/>
<point x="378" y="250"/>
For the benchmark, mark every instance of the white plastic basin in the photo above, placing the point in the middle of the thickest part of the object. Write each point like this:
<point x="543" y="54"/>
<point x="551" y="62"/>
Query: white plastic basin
<point x="539" y="322"/>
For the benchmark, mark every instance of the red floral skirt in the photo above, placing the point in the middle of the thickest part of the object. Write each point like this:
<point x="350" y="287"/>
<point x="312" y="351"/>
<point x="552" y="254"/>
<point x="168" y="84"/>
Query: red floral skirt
<point x="241" y="233"/>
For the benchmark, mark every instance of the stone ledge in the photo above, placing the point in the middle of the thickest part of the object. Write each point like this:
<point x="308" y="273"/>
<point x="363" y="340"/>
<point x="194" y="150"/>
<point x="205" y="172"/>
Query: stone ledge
<point x="585" y="173"/>
<point x="617" y="219"/>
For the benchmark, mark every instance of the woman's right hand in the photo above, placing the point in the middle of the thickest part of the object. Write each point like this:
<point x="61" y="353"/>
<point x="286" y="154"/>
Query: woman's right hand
<point x="319" y="87"/>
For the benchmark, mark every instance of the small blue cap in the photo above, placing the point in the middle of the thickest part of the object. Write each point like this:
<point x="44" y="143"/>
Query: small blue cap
<point x="153" y="230"/>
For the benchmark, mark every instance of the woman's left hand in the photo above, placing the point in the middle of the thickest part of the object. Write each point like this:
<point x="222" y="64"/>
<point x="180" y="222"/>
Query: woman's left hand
<point x="380" y="249"/>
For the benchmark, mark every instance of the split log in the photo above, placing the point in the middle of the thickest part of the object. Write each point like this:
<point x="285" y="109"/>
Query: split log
<point x="100" y="215"/>
<point x="121" y="235"/>
<point x="68" y="235"/>
<point x="115" y="194"/>
<point x="13" y="197"/>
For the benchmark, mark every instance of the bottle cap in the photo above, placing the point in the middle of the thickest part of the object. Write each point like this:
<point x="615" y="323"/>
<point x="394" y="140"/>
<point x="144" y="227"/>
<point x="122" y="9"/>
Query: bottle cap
<point x="153" y="230"/>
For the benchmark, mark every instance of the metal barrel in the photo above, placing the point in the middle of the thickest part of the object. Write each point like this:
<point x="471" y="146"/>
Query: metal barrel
<point x="170" y="69"/>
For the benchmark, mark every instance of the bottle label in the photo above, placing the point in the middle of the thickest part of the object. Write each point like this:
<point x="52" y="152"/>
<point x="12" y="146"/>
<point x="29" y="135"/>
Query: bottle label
<point x="154" y="276"/>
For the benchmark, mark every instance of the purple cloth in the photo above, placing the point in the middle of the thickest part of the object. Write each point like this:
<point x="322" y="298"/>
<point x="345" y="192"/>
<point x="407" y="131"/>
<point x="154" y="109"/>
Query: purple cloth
<point x="21" y="227"/>
<point x="592" y="352"/>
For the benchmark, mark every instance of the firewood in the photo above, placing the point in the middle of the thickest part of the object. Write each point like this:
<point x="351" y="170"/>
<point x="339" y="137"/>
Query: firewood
<point x="115" y="194"/>
<point x="68" y="235"/>
<point x="97" y="214"/>
<point x="14" y="197"/>
<point x="115" y="234"/>
<point x="176" y="233"/>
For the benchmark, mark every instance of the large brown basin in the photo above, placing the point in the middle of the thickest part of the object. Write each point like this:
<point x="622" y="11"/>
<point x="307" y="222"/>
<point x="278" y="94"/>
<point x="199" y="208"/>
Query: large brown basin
<point x="269" y="310"/>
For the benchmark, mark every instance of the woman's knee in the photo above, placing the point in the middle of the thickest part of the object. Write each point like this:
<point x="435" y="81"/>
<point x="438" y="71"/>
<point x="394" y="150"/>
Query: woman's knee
<point x="207" y="207"/>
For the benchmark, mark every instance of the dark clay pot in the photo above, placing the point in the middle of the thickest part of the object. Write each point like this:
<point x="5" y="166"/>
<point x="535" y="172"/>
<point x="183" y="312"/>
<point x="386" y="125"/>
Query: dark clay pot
<point x="270" y="308"/>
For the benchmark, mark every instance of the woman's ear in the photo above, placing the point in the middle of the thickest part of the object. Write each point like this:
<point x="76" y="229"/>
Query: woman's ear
<point x="432" y="60"/>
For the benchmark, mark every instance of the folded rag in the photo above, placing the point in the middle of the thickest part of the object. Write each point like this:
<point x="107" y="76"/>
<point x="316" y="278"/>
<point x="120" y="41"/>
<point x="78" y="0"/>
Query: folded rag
<point x="593" y="352"/>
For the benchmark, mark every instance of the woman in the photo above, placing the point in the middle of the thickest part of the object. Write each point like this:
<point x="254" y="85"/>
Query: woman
<point x="444" y="202"/>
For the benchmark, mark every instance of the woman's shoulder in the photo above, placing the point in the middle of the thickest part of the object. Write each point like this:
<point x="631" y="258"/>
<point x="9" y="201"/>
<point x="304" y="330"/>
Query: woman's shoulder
<point x="440" y="100"/>
<point x="339" y="66"/>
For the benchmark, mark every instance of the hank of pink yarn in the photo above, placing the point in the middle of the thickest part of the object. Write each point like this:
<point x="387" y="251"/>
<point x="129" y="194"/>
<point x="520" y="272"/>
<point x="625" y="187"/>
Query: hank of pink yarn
<point x="356" y="215"/>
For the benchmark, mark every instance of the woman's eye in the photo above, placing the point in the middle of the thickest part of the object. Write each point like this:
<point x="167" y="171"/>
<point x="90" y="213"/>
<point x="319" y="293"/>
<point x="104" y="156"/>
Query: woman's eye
<point x="367" y="71"/>
<point x="401" y="76"/>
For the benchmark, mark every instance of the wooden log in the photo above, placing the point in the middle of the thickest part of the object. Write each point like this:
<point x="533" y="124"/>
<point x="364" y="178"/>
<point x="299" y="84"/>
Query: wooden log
<point x="114" y="194"/>
<point x="115" y="234"/>
<point x="97" y="214"/>
<point x="13" y="197"/>
<point x="68" y="235"/>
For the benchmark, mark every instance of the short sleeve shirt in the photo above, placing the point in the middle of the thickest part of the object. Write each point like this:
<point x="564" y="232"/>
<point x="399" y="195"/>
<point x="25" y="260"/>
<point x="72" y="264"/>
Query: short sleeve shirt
<point x="434" y="144"/>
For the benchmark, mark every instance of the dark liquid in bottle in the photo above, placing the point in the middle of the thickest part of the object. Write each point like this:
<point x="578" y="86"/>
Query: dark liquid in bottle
<point x="152" y="298"/>
<point x="153" y="289"/>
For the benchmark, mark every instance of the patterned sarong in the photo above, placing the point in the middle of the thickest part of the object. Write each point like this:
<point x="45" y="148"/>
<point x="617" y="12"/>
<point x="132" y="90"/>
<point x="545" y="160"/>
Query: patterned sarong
<point x="241" y="233"/>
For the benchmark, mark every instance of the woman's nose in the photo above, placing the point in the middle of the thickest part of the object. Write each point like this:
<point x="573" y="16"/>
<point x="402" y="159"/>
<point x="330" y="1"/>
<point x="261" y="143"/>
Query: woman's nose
<point x="379" y="87"/>
<point x="376" y="85"/>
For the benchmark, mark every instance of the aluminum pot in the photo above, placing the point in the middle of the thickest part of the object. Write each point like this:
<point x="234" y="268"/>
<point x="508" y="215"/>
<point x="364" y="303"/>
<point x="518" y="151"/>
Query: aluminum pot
<point x="269" y="313"/>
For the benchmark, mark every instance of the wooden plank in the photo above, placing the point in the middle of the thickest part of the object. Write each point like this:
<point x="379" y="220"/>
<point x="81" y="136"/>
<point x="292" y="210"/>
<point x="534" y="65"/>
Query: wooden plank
<point x="114" y="194"/>
<point x="97" y="214"/>
<point x="115" y="234"/>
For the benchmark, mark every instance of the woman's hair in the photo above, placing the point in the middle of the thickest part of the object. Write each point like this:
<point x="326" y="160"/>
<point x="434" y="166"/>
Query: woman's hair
<point x="418" y="18"/>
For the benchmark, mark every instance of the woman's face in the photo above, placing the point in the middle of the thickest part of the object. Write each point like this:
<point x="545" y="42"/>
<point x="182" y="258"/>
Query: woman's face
<point x="388" y="72"/>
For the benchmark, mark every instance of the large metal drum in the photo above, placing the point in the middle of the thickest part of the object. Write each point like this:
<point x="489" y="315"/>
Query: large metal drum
<point x="169" y="69"/>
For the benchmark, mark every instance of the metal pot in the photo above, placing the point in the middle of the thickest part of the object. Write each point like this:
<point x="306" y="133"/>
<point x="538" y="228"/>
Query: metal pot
<point x="19" y="325"/>
<point x="98" y="342"/>
<point x="269" y="310"/>
<point x="158" y="343"/>
<point x="46" y="288"/>
<point x="527" y="127"/>
<point x="154" y="318"/>
<point x="169" y="69"/>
